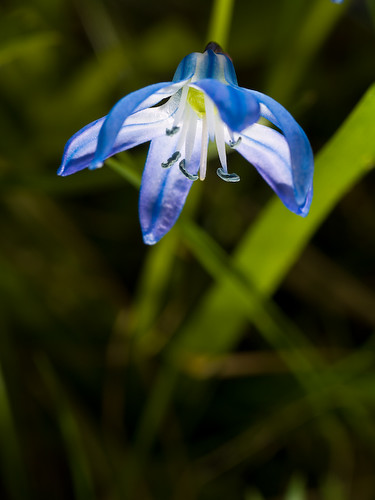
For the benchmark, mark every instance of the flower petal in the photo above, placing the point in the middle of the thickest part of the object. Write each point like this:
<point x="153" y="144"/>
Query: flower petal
<point x="131" y="103"/>
<point x="302" y="160"/>
<point x="268" y="151"/>
<point x="185" y="70"/>
<point x="237" y="107"/>
<point x="164" y="190"/>
<point x="209" y="64"/>
<point x="137" y="129"/>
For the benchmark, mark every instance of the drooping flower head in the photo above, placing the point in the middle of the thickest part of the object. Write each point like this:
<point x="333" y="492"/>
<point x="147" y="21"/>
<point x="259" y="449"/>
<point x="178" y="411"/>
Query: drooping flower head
<point x="204" y="103"/>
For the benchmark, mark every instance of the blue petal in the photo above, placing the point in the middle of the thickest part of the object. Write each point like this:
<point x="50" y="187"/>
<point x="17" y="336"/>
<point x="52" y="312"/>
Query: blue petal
<point x="186" y="68"/>
<point x="269" y="152"/>
<point x="230" y="73"/>
<point x="206" y="65"/>
<point x="139" y="128"/>
<point x="136" y="101"/>
<point x="79" y="150"/>
<point x="302" y="160"/>
<point x="237" y="107"/>
<point x="164" y="190"/>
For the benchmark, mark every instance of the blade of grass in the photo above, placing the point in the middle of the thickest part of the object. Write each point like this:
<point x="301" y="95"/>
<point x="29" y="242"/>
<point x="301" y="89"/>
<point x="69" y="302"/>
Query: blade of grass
<point x="275" y="327"/>
<point x="155" y="279"/>
<point x="296" y="489"/>
<point x="220" y="22"/>
<point x="291" y="59"/>
<point x="126" y="168"/>
<point x="274" y="242"/>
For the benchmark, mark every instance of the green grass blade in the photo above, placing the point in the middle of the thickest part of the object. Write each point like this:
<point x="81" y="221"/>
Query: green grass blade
<point x="126" y="169"/>
<point x="220" y="22"/>
<point x="292" y="346"/>
<point x="151" y="294"/>
<point x="291" y="59"/>
<point x="275" y="241"/>
<point x="296" y="489"/>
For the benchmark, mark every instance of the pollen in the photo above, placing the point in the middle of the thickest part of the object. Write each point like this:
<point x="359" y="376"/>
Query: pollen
<point x="196" y="100"/>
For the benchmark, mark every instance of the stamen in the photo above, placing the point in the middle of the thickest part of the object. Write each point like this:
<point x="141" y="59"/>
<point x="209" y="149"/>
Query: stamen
<point x="210" y="114"/>
<point x="190" y="135"/>
<point x="232" y="143"/>
<point x="192" y="177"/>
<point x="172" y="131"/>
<point x="227" y="177"/>
<point x="204" y="147"/>
<point x="220" y="142"/>
<point x="176" y="156"/>
<point x="181" y="107"/>
<point x="184" y="128"/>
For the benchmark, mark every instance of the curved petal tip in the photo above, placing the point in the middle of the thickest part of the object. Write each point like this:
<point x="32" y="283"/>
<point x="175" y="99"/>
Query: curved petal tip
<point x="305" y="207"/>
<point x="95" y="164"/>
<point x="149" y="238"/>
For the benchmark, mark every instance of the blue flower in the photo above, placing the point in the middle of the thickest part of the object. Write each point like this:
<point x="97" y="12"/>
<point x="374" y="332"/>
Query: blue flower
<point x="204" y="103"/>
<point x="337" y="1"/>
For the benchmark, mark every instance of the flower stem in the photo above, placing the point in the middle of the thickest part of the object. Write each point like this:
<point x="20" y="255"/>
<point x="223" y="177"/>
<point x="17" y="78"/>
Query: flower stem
<point x="221" y="16"/>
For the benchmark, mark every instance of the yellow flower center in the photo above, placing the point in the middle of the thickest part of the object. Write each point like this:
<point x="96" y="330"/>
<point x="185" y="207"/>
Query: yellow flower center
<point x="196" y="100"/>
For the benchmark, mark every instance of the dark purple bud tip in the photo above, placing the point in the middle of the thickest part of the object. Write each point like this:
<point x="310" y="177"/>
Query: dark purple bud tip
<point x="215" y="47"/>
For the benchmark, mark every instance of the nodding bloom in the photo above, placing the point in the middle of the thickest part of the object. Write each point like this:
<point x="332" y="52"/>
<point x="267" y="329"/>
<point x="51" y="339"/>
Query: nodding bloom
<point x="204" y="103"/>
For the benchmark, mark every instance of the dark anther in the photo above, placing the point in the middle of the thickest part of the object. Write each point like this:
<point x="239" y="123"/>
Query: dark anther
<point x="172" y="131"/>
<point x="215" y="47"/>
<point x="192" y="177"/>
<point x="227" y="177"/>
<point x="233" y="144"/>
<point x="171" y="160"/>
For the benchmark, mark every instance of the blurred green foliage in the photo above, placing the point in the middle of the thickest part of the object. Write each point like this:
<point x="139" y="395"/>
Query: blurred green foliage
<point x="235" y="359"/>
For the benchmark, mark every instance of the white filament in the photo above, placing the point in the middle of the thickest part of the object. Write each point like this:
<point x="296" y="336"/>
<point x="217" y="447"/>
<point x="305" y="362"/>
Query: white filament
<point x="220" y="142"/>
<point x="210" y="114"/>
<point x="181" y="107"/>
<point x="204" y="147"/>
<point x="184" y="128"/>
<point x="190" y="135"/>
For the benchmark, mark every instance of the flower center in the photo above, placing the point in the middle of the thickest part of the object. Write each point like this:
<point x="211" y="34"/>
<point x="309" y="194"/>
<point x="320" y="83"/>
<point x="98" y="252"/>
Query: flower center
<point x="196" y="100"/>
<point x="195" y="108"/>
